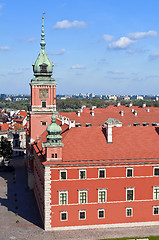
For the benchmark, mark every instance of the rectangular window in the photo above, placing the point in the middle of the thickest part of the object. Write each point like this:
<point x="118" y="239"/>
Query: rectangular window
<point x="101" y="195"/>
<point x="63" y="195"/>
<point x="129" y="212"/>
<point x="52" y="155"/>
<point x="43" y="104"/>
<point x="155" y="193"/>
<point x="82" y="174"/>
<point x="156" y="171"/>
<point x="82" y="214"/>
<point x="101" y="173"/>
<point x="43" y="123"/>
<point x="129" y="194"/>
<point x="101" y="213"/>
<point x="63" y="174"/>
<point x="63" y="216"/>
<point x="82" y="196"/>
<point x="155" y="210"/>
<point x="129" y="172"/>
<point x="55" y="155"/>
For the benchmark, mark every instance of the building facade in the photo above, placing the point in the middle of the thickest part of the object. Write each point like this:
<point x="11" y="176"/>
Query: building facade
<point x="90" y="170"/>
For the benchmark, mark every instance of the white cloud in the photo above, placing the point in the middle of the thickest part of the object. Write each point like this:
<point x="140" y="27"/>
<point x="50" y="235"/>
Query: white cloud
<point x="31" y="39"/>
<point x="62" y="51"/>
<point x="66" y="24"/>
<point x="115" y="72"/>
<point x="1" y="6"/>
<point x="122" y="43"/>
<point x="17" y="72"/>
<point x="107" y="38"/>
<point x="154" y="56"/>
<point x="78" y="66"/>
<point x="137" y="35"/>
<point x="5" y="48"/>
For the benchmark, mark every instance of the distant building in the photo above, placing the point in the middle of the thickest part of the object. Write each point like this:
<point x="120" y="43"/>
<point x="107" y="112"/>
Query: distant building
<point x="139" y="97"/>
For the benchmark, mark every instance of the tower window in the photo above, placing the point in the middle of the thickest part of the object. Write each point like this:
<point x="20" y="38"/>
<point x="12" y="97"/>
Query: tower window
<point x="43" y="68"/>
<point x="43" y="104"/>
<point x="55" y="155"/>
<point x="43" y="123"/>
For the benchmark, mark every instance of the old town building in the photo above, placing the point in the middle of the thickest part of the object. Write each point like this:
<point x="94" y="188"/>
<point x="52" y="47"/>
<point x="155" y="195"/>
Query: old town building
<point x="96" y="168"/>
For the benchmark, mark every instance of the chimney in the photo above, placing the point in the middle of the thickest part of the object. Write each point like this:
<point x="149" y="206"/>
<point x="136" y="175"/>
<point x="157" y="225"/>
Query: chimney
<point x="147" y="110"/>
<point x="144" y="105"/>
<point x="118" y="104"/>
<point x="92" y="113"/>
<point x="135" y="113"/>
<point x="109" y="133"/>
<point x="132" y="110"/>
<point x="122" y="113"/>
<point x="78" y="113"/>
<point x="130" y="104"/>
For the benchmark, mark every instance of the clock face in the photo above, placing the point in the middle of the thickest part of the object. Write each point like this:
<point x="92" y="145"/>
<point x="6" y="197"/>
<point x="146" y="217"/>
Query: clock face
<point x="44" y="93"/>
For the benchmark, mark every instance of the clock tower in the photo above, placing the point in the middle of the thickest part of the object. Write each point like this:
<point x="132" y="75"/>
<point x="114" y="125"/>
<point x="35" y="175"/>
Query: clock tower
<point x="43" y="92"/>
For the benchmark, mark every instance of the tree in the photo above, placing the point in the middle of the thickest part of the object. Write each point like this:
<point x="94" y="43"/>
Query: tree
<point x="5" y="148"/>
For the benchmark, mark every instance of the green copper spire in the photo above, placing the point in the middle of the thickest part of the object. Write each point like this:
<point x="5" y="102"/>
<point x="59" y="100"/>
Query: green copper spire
<point x="54" y="130"/>
<point x="43" y="67"/>
<point x="43" y="34"/>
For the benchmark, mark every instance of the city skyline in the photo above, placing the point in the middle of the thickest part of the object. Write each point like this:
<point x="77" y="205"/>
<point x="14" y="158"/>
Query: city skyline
<point x="106" y="47"/>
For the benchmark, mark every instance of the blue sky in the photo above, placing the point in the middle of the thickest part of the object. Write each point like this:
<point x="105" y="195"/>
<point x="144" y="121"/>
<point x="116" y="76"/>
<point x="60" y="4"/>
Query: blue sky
<point x="99" y="46"/>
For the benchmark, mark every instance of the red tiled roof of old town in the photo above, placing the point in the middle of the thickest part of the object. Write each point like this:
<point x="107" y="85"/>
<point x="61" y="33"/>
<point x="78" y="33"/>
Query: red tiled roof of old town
<point x="86" y="144"/>
<point x="89" y="144"/>
<point x="102" y="114"/>
<point x="20" y="116"/>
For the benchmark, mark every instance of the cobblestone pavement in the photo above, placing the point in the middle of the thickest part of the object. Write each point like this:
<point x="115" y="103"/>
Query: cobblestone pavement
<point x="20" y="220"/>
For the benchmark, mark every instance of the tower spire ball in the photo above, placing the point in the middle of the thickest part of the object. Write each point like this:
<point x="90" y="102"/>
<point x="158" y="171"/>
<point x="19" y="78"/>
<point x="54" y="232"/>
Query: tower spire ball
<point x="43" y="15"/>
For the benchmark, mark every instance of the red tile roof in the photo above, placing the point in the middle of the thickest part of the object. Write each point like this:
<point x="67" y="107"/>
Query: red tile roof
<point x="128" y="143"/>
<point x="102" y="114"/>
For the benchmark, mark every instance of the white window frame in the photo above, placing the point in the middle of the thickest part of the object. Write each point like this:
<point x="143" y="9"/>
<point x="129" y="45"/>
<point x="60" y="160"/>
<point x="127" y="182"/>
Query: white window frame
<point x="129" y="208"/>
<point x="82" y="170"/>
<point x="80" y="192"/>
<point x="63" y="192"/>
<point x="154" y="208"/>
<point x="79" y="214"/>
<point x="61" y="216"/>
<point x="61" y="172"/>
<point x="154" y="194"/>
<point x="103" y="211"/>
<point x="129" y="168"/>
<point x="105" y="191"/>
<point x="154" y="171"/>
<point x="127" y="189"/>
<point x="101" y="169"/>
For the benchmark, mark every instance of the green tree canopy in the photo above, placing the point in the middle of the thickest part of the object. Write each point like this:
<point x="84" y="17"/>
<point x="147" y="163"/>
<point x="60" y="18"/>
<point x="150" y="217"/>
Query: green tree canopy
<point x="5" y="148"/>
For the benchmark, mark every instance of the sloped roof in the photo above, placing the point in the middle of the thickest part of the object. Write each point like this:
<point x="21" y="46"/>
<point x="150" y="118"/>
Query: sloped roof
<point x="103" y="114"/>
<point x="128" y="143"/>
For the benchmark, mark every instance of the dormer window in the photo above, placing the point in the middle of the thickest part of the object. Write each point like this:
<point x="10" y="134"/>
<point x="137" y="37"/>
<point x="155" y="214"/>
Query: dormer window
<point x="43" y="68"/>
